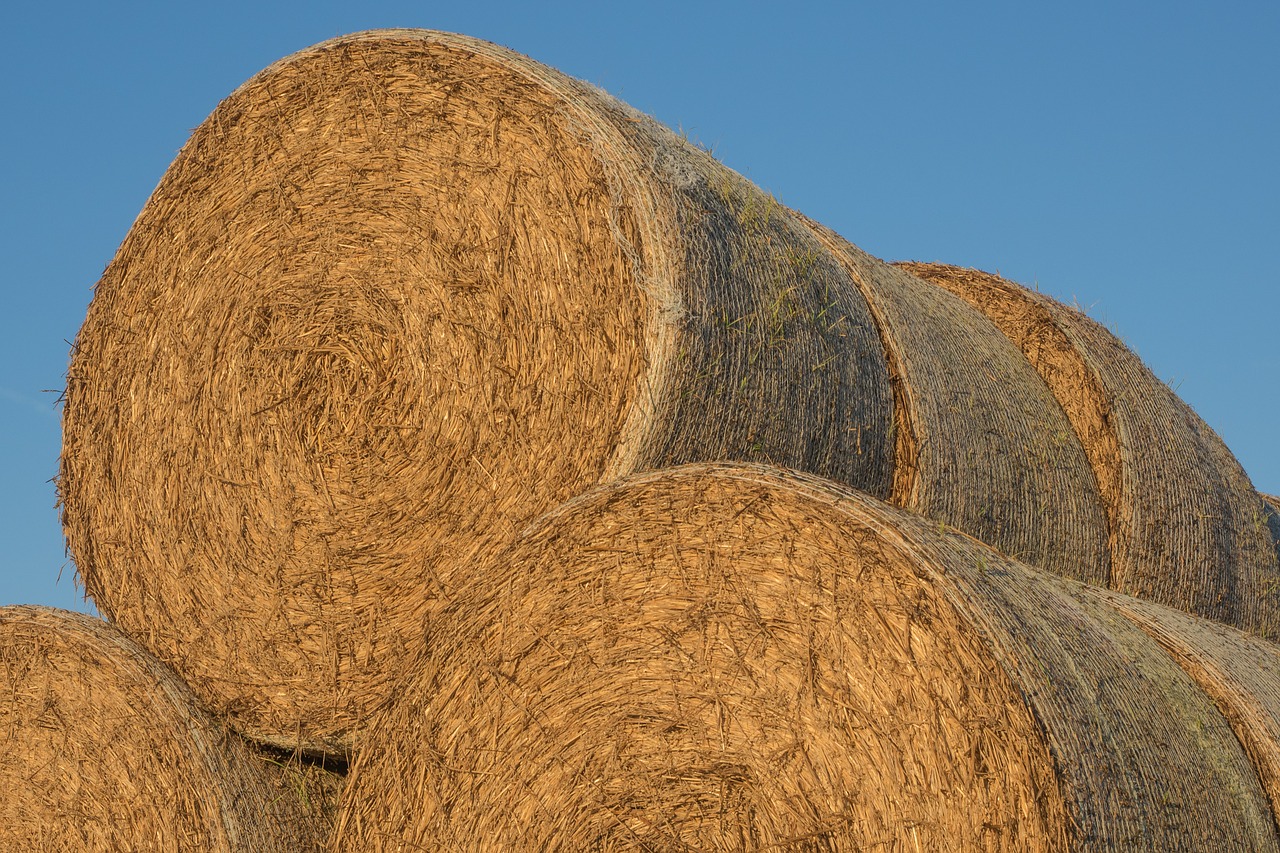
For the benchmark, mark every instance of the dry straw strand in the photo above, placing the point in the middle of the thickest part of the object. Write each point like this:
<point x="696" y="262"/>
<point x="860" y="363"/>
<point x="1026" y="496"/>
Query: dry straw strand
<point x="1186" y="525"/>
<point x="398" y="295"/>
<point x="737" y="658"/>
<point x="106" y="750"/>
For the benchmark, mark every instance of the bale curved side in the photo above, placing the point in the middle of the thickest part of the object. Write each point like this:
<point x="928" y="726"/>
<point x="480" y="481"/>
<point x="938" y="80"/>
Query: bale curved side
<point x="1239" y="671"/>
<point x="399" y="294"/>
<point x="105" y="750"/>
<point x="1187" y="527"/>
<point x="990" y="450"/>
<point x="733" y="658"/>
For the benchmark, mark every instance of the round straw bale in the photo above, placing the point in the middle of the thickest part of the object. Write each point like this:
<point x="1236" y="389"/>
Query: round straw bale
<point x="1187" y="528"/>
<point x="398" y="295"/>
<point x="982" y="444"/>
<point x="106" y="750"/>
<point x="735" y="658"/>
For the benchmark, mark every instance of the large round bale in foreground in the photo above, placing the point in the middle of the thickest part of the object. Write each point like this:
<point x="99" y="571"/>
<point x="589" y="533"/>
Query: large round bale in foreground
<point x="398" y="295"/>
<point x="1187" y="528"/>
<point x="732" y="658"/>
<point x="105" y="750"/>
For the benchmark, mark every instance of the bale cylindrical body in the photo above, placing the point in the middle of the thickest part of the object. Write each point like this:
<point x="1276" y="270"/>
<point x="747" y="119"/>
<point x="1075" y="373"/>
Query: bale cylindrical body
<point x="1271" y="506"/>
<point x="734" y="658"/>
<point x="106" y="750"/>
<point x="1240" y="672"/>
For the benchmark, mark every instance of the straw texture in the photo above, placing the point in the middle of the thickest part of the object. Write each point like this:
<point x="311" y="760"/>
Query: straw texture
<point x="982" y="443"/>
<point x="399" y="294"/>
<point x="105" y="750"/>
<point x="732" y="658"/>
<point x="1187" y="528"/>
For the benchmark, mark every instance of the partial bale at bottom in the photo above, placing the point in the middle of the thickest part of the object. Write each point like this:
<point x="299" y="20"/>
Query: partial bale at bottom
<point x="106" y="750"/>
<point x="1187" y="528"/>
<point x="398" y="295"/>
<point x="734" y="658"/>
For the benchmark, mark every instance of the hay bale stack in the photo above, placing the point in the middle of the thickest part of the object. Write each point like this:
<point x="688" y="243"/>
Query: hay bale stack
<point x="105" y="750"/>
<point x="401" y="293"/>
<point x="733" y="658"/>
<point x="982" y="444"/>
<point x="1184" y="519"/>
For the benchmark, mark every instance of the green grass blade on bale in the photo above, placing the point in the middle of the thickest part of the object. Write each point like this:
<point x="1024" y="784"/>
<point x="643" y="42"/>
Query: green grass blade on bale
<point x="106" y="750"/>
<point x="982" y="443"/>
<point x="401" y="293"/>
<point x="1187" y="527"/>
<point x="737" y="658"/>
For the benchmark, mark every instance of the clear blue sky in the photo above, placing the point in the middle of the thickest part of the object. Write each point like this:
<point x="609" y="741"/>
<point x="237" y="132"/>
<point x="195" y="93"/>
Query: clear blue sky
<point x="1126" y="160"/>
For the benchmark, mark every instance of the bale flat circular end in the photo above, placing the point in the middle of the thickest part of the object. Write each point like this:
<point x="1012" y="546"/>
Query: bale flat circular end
<point x="697" y="661"/>
<point x="105" y="750"/>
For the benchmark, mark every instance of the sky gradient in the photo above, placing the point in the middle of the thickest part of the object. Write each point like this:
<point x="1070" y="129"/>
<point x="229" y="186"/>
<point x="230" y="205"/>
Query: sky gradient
<point x="1124" y="161"/>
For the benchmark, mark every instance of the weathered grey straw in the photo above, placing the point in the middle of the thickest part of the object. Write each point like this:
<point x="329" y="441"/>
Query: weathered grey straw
<point x="732" y="658"/>
<point x="399" y="294"/>
<point x="1187" y="528"/>
<point x="106" y="750"/>
<point x="981" y="442"/>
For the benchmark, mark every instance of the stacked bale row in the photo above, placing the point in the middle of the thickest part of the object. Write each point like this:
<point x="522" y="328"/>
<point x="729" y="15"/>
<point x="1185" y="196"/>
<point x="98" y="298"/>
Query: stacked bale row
<point x="1186" y="526"/>
<point x="404" y="293"/>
